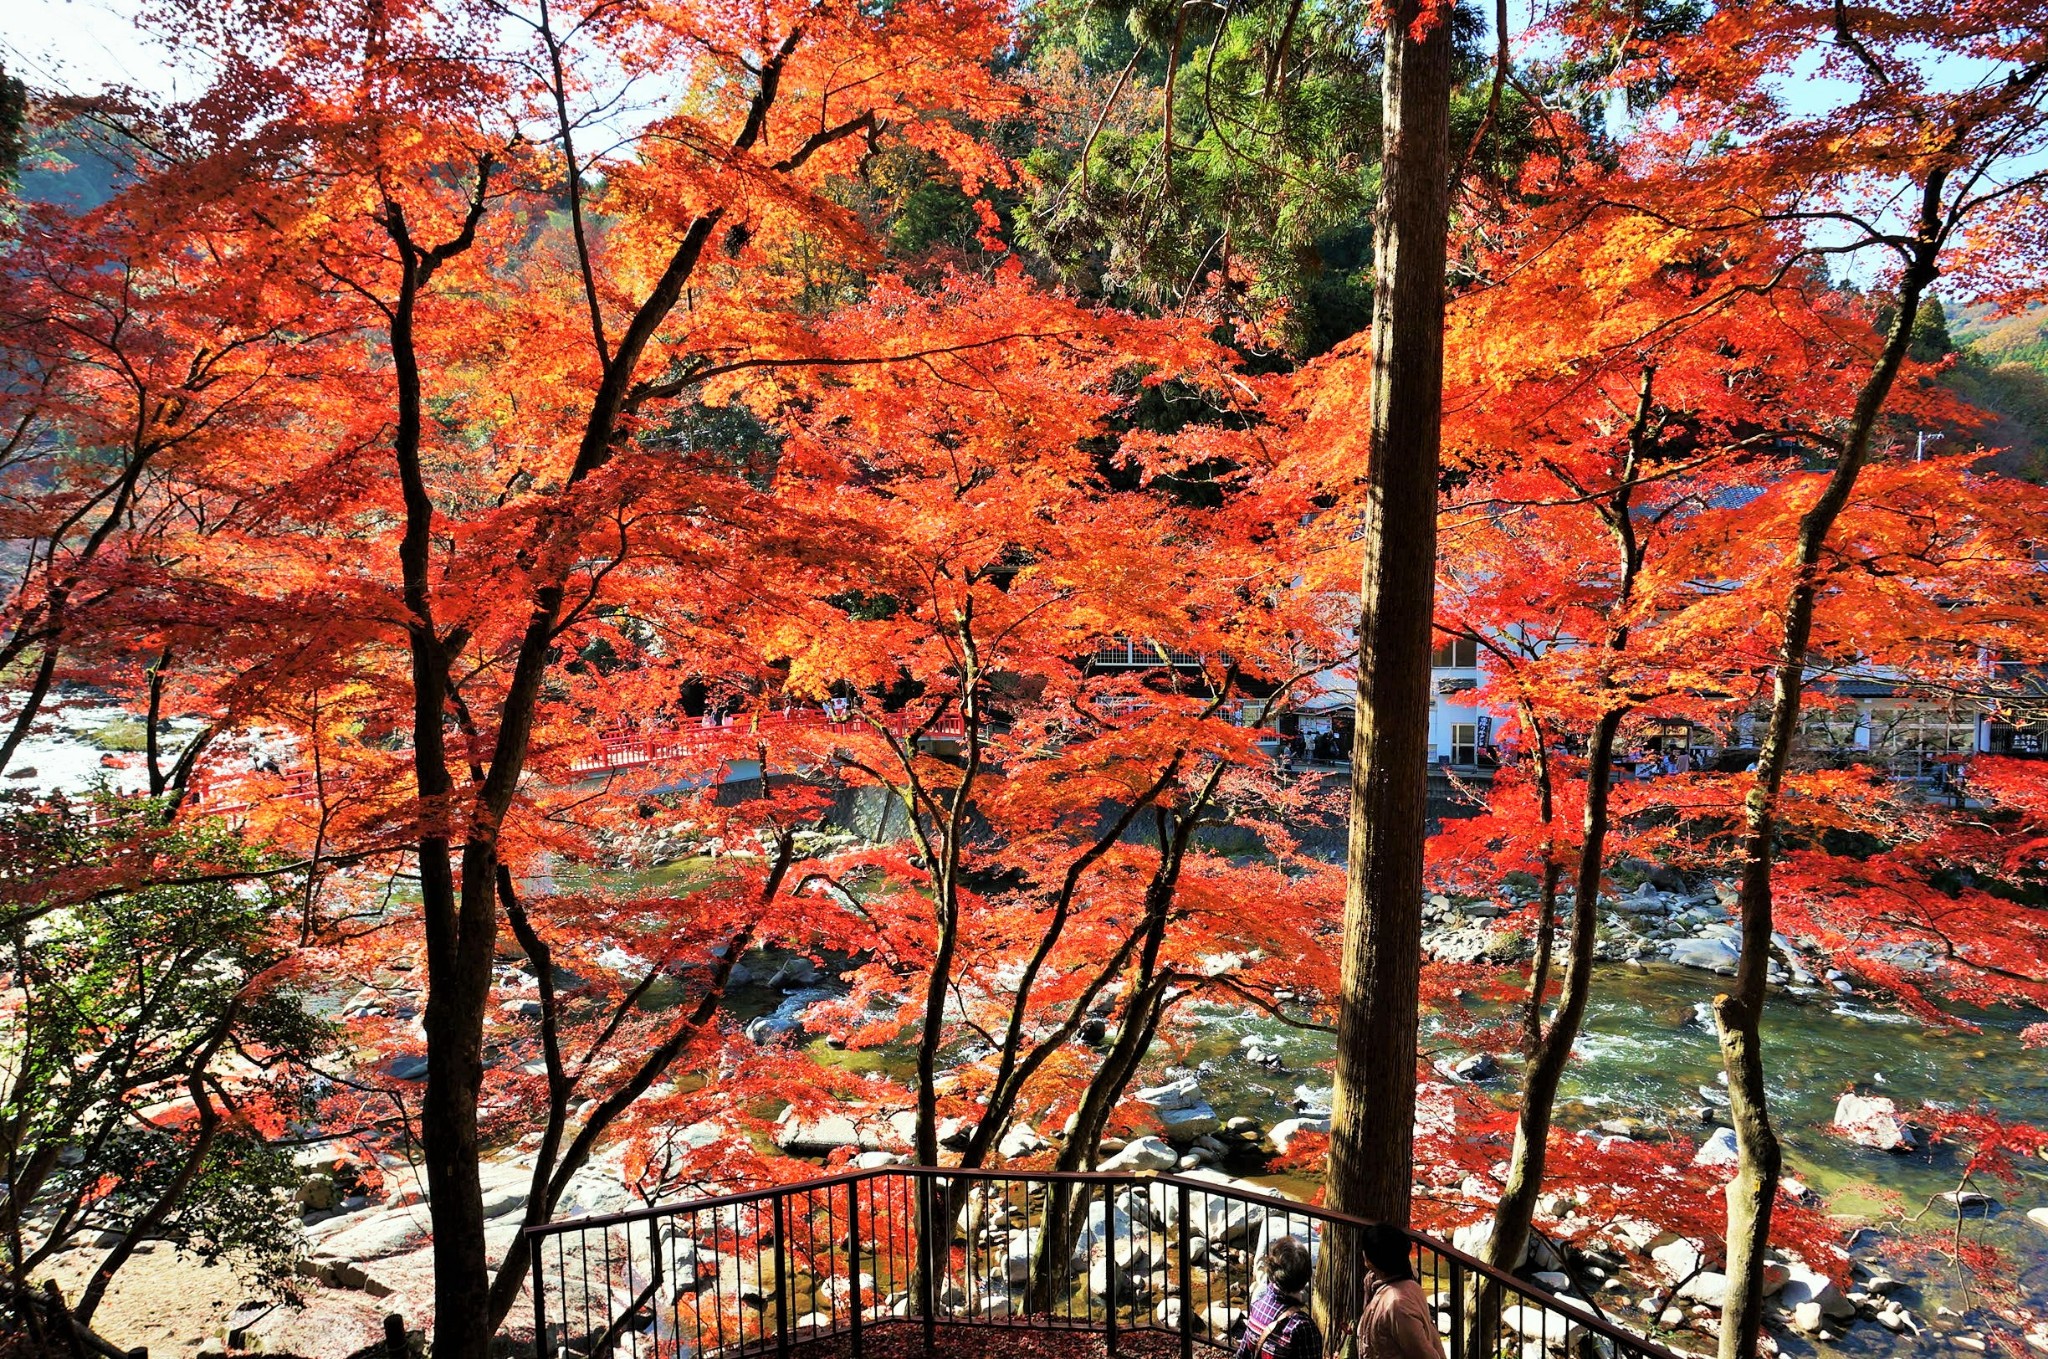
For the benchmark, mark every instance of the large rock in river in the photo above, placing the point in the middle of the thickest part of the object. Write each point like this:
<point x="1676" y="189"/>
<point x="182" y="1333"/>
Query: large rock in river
<point x="1287" y="1129"/>
<point x="1709" y="955"/>
<point x="1719" y="1150"/>
<point x="1873" y="1121"/>
<point x="1804" y="1284"/>
<point x="864" y="1129"/>
<point x="1144" y="1153"/>
<point x="1181" y="1110"/>
<point x="1189" y="1122"/>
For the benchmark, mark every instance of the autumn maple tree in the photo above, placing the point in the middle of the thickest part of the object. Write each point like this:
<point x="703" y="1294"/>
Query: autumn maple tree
<point x="417" y="181"/>
<point x="455" y="399"/>
<point x="1932" y="179"/>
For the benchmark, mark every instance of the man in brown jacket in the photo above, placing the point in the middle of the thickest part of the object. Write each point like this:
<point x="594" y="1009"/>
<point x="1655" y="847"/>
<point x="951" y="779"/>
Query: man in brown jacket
<point x="1396" y="1322"/>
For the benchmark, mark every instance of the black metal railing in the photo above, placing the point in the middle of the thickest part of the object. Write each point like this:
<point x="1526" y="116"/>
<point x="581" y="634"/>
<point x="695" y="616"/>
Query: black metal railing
<point x="835" y="1259"/>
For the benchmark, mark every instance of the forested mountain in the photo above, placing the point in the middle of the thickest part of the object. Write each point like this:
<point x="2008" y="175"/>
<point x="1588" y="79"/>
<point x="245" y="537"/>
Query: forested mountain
<point x="2002" y="367"/>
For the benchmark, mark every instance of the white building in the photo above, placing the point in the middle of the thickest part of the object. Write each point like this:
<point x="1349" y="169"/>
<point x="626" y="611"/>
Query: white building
<point x="1460" y="727"/>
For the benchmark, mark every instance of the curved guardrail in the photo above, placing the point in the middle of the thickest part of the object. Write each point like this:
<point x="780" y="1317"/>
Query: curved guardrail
<point x="835" y="1259"/>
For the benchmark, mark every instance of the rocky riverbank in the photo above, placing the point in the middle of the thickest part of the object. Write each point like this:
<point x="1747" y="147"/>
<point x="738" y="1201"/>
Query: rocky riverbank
<point x="1245" y="1092"/>
<point x="1659" y="919"/>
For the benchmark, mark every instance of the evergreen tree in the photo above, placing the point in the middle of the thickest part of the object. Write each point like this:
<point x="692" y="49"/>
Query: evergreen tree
<point x="1930" y="333"/>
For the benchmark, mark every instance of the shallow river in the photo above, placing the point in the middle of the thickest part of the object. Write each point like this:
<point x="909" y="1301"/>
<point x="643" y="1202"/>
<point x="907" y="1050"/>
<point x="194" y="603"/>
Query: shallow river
<point x="1643" y="1056"/>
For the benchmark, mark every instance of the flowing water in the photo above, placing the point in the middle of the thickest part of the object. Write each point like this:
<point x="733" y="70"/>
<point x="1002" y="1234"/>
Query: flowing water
<point x="1643" y="1055"/>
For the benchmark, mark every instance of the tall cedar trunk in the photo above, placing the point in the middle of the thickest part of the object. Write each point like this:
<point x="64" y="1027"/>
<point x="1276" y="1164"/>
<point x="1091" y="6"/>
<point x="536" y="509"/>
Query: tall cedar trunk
<point x="1373" y="1119"/>
<point x="1739" y="1012"/>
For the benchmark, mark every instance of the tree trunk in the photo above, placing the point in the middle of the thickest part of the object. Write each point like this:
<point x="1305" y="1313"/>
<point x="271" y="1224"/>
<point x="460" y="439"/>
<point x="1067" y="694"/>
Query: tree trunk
<point x="1738" y="1013"/>
<point x="1149" y="987"/>
<point x="56" y="605"/>
<point x="174" y="1193"/>
<point x="1517" y="1206"/>
<point x="1553" y="871"/>
<point x="946" y="888"/>
<point x="32" y="701"/>
<point x="555" y="1165"/>
<point x="460" y="922"/>
<point x="1373" y="1120"/>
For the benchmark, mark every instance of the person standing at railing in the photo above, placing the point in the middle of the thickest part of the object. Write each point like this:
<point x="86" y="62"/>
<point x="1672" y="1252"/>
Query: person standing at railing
<point x="1279" y="1326"/>
<point x="1396" y="1322"/>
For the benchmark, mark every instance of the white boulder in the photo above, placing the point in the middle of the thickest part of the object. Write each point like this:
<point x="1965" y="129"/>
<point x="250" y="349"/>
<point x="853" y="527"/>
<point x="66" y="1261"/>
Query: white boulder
<point x="1021" y="1140"/>
<point x="1804" y="1285"/>
<point x="1708" y="1286"/>
<point x="1718" y="1150"/>
<point x="1287" y="1129"/>
<point x="816" y="1136"/>
<point x="1186" y="1122"/>
<point x="1541" y="1324"/>
<point x="1178" y="1094"/>
<point x="1677" y="1258"/>
<point x="1708" y="955"/>
<point x="1221" y="1319"/>
<point x="1144" y="1153"/>
<point x="1022" y="1246"/>
<point x="1873" y="1121"/>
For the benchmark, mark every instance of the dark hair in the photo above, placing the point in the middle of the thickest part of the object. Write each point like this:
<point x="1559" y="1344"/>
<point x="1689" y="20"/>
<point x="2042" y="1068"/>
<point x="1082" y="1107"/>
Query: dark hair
<point x="1386" y="1250"/>
<point x="1287" y="1264"/>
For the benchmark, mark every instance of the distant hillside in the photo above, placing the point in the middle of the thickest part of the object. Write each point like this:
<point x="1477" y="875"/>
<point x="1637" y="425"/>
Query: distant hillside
<point x="2002" y="367"/>
<point x="69" y="166"/>
<point x="2005" y="339"/>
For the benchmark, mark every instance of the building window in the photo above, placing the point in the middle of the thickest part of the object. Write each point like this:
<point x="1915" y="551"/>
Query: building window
<point x="1916" y="733"/>
<point x="1460" y="653"/>
<point x="1464" y="743"/>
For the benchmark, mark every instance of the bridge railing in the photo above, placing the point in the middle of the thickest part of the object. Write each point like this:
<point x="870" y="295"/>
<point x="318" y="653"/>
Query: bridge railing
<point x="828" y="1262"/>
